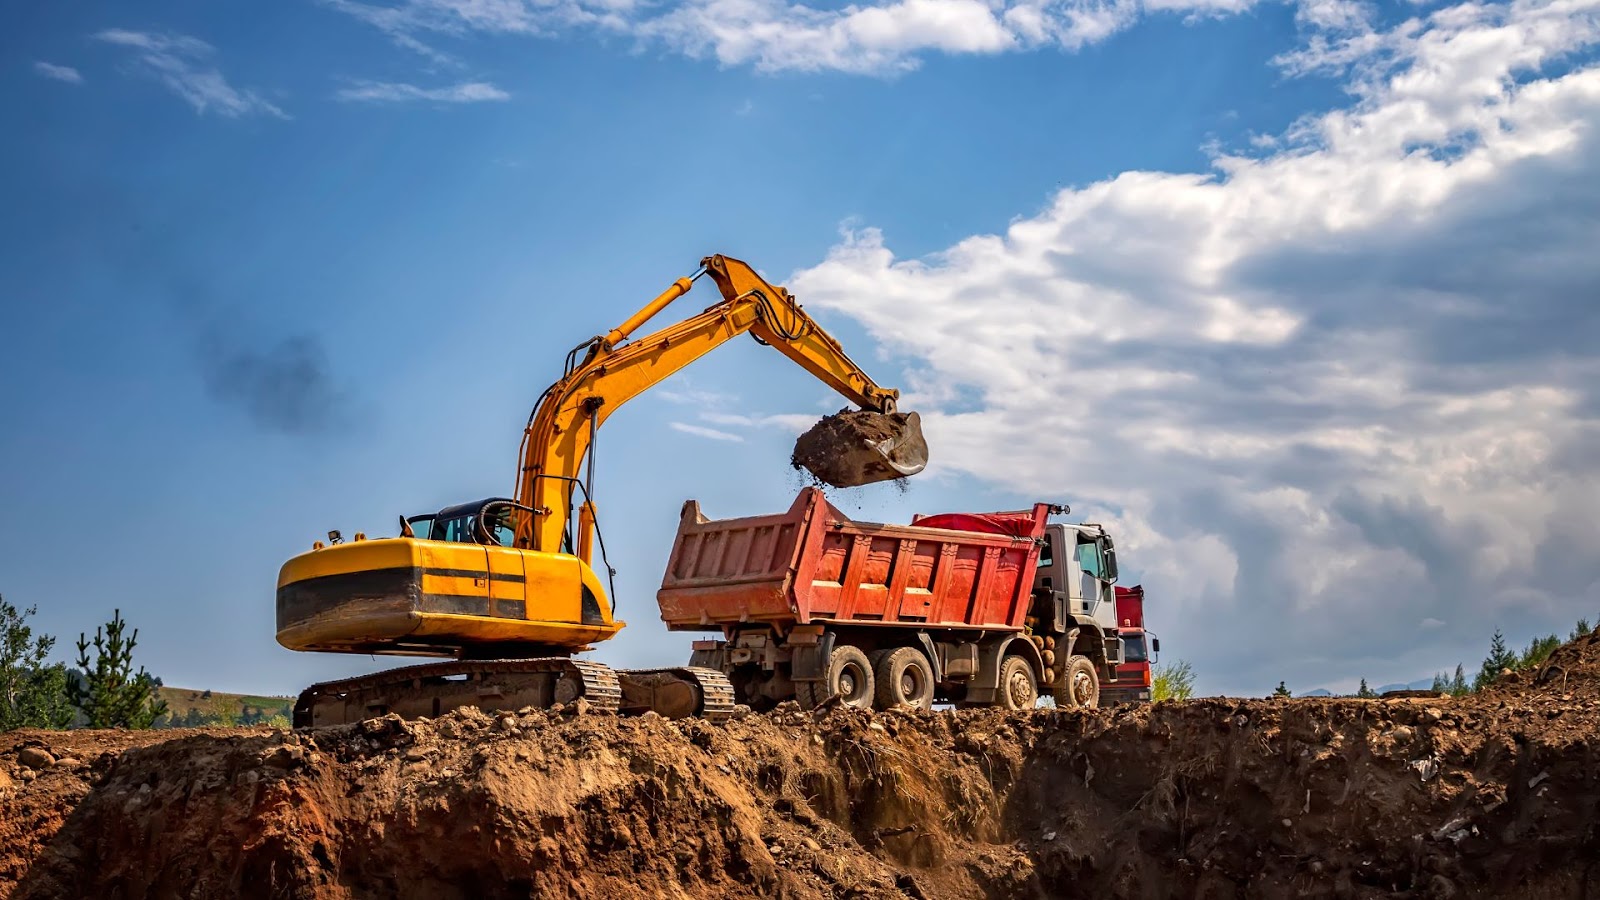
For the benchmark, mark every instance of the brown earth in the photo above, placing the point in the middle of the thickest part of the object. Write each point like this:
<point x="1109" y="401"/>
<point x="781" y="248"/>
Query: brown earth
<point x="1496" y="795"/>
<point x="835" y="450"/>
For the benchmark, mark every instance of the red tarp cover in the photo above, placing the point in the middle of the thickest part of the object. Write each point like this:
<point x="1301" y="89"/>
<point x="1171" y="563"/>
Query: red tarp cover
<point x="1018" y="524"/>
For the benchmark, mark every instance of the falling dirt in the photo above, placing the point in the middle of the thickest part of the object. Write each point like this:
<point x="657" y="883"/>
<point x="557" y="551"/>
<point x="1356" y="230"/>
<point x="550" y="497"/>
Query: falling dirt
<point x="1495" y="795"/>
<point x="837" y="451"/>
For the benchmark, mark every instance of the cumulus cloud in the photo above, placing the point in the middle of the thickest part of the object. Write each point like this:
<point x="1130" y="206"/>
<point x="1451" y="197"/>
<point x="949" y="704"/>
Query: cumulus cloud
<point x="58" y="73"/>
<point x="390" y="92"/>
<point x="178" y="61"/>
<point x="1347" y="380"/>
<point x="774" y="35"/>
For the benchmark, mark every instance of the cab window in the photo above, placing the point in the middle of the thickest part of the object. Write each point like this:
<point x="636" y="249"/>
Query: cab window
<point x="458" y="529"/>
<point x="1089" y="559"/>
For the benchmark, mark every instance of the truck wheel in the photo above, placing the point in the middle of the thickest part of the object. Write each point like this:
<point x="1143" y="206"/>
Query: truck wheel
<point x="849" y="675"/>
<point x="1018" y="689"/>
<point x="904" y="678"/>
<point x="1078" y="686"/>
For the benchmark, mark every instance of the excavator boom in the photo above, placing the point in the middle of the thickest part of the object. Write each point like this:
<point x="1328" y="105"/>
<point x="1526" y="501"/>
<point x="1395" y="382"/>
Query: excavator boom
<point x="614" y="370"/>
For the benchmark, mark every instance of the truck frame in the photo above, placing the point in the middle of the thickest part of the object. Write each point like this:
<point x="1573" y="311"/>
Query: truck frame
<point x="969" y="609"/>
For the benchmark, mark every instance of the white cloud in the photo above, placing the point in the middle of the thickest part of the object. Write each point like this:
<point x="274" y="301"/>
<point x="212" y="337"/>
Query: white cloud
<point x="795" y="423"/>
<point x="774" y="35"/>
<point x="702" y="431"/>
<point x="390" y="92"/>
<point x="1348" y="380"/>
<point x="59" y="73"/>
<point x="176" y="61"/>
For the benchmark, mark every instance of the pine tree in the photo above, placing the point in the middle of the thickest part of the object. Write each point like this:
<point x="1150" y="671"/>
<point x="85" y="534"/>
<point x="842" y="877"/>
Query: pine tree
<point x="1499" y="658"/>
<point x="1441" y="684"/>
<point x="1458" y="684"/>
<point x="1368" y="693"/>
<point x="32" y="694"/>
<point x="1579" y="630"/>
<point x="1537" y="652"/>
<point x="112" y="695"/>
<point x="1281" y="691"/>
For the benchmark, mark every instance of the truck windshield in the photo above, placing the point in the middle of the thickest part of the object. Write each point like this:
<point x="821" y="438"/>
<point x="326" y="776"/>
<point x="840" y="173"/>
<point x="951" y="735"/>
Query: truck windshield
<point x="1133" y="648"/>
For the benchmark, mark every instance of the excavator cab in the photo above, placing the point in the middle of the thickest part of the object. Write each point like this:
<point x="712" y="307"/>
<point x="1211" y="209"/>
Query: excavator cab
<point x="483" y="522"/>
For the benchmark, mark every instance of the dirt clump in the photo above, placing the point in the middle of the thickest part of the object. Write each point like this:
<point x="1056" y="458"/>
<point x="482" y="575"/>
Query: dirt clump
<point x="839" y="450"/>
<point x="1493" y="795"/>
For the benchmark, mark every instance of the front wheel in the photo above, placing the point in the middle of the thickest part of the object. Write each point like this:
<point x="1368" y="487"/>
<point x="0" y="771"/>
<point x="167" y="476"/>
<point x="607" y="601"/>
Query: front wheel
<point x="1018" y="689"/>
<point x="849" y="675"/>
<point x="1078" y="685"/>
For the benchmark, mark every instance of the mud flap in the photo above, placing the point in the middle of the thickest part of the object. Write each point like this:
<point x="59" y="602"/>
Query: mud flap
<point x="810" y="662"/>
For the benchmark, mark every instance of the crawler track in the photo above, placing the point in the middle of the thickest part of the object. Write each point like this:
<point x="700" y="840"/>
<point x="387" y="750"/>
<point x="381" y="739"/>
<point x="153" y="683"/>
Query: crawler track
<point x="436" y="688"/>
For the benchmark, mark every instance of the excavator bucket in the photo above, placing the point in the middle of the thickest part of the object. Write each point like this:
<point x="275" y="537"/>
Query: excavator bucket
<point x="856" y="447"/>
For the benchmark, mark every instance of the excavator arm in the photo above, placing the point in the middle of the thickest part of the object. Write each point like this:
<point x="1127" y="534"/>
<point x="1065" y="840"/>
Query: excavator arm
<point x="615" y="369"/>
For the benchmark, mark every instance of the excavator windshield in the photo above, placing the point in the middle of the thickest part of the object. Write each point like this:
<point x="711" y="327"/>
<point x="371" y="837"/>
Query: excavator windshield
<point x="484" y="522"/>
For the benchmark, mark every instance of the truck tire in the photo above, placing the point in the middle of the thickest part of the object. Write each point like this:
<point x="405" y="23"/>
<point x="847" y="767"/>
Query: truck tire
<point x="849" y="675"/>
<point x="904" y="678"/>
<point x="1018" y="688"/>
<point x="1078" y="686"/>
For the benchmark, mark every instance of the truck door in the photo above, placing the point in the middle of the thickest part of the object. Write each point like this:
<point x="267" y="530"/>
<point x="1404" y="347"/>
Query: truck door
<point x="1093" y="589"/>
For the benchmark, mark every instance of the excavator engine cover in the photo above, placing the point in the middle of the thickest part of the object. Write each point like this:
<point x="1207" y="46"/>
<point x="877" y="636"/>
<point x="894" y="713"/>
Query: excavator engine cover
<point x="856" y="447"/>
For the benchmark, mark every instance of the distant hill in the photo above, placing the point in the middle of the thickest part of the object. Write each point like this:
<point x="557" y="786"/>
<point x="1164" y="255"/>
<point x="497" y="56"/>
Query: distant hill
<point x="1421" y="685"/>
<point x="194" y="707"/>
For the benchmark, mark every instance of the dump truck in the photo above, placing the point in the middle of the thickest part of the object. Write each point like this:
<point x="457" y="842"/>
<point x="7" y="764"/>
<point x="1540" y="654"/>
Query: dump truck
<point x="1139" y="649"/>
<point x="510" y="589"/>
<point x="969" y="609"/>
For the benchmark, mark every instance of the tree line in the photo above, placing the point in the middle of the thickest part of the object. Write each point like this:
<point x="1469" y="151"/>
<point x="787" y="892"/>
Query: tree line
<point x="102" y="691"/>
<point x="1175" y="681"/>
<point x="1500" y="661"/>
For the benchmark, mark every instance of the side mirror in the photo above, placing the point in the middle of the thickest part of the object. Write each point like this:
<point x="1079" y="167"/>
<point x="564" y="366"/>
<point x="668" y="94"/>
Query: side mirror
<point x="1155" y="644"/>
<point x="1111" y="562"/>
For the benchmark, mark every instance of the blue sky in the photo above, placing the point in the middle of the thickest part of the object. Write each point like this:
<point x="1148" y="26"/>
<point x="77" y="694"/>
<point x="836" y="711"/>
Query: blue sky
<point x="1299" y="297"/>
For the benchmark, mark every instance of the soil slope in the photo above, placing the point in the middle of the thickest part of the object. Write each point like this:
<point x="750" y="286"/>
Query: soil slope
<point x="1493" y="795"/>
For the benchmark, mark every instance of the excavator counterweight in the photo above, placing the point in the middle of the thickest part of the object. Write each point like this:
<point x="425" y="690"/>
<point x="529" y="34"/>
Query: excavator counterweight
<point x="508" y="587"/>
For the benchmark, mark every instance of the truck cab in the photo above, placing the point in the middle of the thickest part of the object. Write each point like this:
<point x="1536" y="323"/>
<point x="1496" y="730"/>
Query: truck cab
<point x="1139" y="647"/>
<point x="1074" y="606"/>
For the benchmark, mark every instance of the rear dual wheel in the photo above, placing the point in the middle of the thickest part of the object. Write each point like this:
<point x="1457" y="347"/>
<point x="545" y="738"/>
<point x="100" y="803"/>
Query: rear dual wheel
<point x="849" y="675"/>
<point x="904" y="678"/>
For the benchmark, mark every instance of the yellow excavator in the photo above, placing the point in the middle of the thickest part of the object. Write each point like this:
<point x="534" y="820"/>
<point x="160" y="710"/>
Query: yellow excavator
<point x="508" y="588"/>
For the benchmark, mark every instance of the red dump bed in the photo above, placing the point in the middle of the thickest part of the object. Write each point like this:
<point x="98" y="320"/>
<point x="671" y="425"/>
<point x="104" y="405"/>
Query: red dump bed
<point x="813" y="564"/>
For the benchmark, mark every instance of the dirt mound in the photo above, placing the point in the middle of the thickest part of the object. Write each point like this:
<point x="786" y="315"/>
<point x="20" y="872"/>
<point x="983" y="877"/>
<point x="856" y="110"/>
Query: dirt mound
<point x="840" y="450"/>
<point x="1494" y="795"/>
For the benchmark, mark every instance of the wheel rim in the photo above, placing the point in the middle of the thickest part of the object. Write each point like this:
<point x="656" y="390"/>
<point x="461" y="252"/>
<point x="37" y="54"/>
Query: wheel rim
<point x="1082" y="688"/>
<point x="1018" y="690"/>
<point x="847" y="684"/>
<point x="910" y="683"/>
